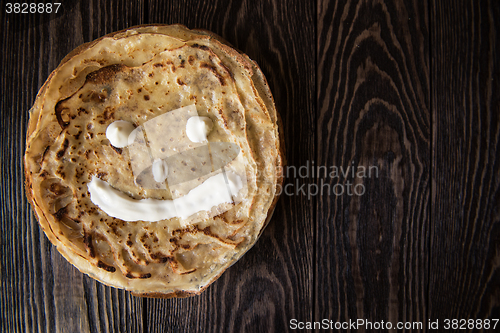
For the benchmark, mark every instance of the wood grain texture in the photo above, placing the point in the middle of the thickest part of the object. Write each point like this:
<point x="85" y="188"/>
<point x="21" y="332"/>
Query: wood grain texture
<point x="272" y="283"/>
<point x="41" y="291"/>
<point x="464" y="270"/>
<point x="411" y="87"/>
<point x="373" y="111"/>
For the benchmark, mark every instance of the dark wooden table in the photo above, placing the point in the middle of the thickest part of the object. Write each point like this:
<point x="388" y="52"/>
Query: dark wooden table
<point x="409" y="87"/>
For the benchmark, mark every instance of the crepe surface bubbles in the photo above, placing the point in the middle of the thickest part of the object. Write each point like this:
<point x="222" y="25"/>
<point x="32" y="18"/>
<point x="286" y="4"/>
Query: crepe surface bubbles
<point x="173" y="87"/>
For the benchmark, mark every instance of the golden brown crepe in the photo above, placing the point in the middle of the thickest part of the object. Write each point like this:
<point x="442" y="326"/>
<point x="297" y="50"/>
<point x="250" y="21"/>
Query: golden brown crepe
<point x="137" y="75"/>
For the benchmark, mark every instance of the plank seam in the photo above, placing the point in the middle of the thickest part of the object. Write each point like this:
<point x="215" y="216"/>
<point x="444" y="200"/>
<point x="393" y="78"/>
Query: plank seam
<point x="315" y="211"/>
<point x="146" y="12"/>
<point x="431" y="155"/>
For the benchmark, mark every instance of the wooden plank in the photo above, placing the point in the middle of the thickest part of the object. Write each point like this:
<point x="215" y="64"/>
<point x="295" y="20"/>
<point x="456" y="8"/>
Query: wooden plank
<point x="24" y="304"/>
<point x="41" y="291"/>
<point x="464" y="270"/>
<point x="373" y="112"/>
<point x="272" y="283"/>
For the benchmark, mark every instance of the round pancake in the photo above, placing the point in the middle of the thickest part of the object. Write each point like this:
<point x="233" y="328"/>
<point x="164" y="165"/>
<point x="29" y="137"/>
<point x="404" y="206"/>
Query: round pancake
<point x="146" y="75"/>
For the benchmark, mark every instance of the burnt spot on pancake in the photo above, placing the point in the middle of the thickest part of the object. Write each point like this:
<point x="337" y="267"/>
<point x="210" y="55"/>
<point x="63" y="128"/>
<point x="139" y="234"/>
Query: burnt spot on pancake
<point x="60" y="213"/>
<point x="135" y="258"/>
<point x="201" y="47"/>
<point x="77" y="135"/>
<point x="214" y="71"/>
<point x="62" y="114"/>
<point x="130" y="275"/>
<point x="59" y="171"/>
<point x="104" y="74"/>
<point x="113" y="227"/>
<point x="105" y="266"/>
<point x="129" y="240"/>
<point x="227" y="70"/>
<point x="155" y="256"/>
<point x="79" y="173"/>
<point x="108" y="114"/>
<point x="101" y="175"/>
<point x="180" y="82"/>
<point x="57" y="189"/>
<point x="44" y="153"/>
<point x="118" y="150"/>
<point x="170" y="62"/>
<point x="61" y="152"/>
<point x="191" y="60"/>
<point x="87" y="241"/>
<point x="221" y="113"/>
<point x="82" y="110"/>
<point x="160" y="258"/>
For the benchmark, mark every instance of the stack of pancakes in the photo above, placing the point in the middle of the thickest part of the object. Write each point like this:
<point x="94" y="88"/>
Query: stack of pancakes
<point x="137" y="75"/>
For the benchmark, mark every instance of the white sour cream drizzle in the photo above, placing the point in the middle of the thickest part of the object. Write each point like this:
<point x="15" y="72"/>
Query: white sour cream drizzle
<point x="212" y="192"/>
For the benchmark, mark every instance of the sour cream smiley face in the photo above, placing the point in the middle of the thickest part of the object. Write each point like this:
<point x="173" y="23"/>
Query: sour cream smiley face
<point x="168" y="168"/>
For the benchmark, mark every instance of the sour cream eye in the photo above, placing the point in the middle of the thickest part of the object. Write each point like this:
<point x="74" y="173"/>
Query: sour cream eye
<point x="160" y="170"/>
<point x="197" y="128"/>
<point x="118" y="132"/>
